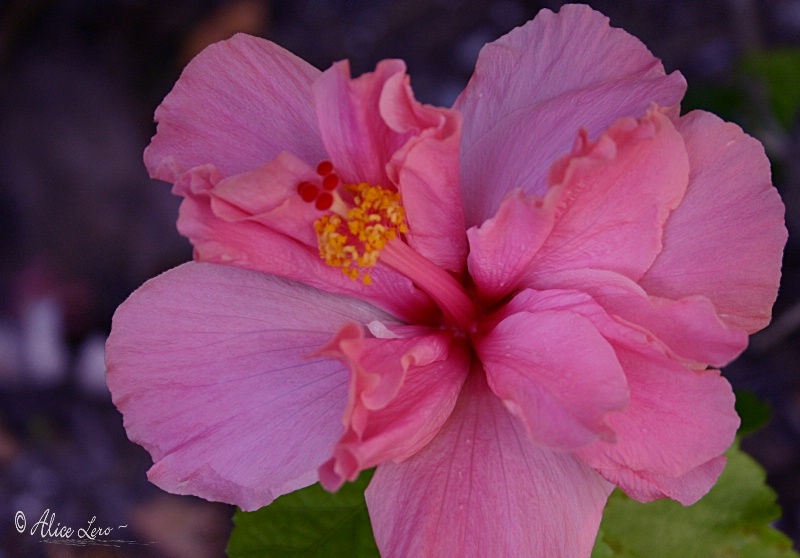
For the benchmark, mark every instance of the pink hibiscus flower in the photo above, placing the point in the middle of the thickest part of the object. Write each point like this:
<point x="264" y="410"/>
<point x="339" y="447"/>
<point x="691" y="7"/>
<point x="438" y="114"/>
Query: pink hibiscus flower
<point x="506" y="320"/>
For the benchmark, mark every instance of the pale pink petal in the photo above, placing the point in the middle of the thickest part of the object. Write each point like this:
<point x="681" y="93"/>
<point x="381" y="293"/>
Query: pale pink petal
<point x="555" y="371"/>
<point x="212" y="370"/>
<point x="356" y="137"/>
<point x="425" y="171"/>
<point x="660" y="388"/>
<point x="502" y="247"/>
<point x="726" y="238"/>
<point x="550" y="357"/>
<point x="268" y="195"/>
<point x="686" y="489"/>
<point x="690" y="326"/>
<point x="615" y="331"/>
<point x="233" y="238"/>
<point x="679" y="422"/>
<point x="536" y="87"/>
<point x="481" y="488"/>
<point x="237" y="105"/>
<point x="618" y="192"/>
<point x="401" y="392"/>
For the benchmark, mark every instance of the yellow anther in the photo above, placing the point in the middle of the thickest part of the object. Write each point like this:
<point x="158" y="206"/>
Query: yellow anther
<point x="352" y="242"/>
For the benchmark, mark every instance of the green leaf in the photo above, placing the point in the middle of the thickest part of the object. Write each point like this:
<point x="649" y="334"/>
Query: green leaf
<point x="753" y="411"/>
<point x="307" y="523"/>
<point x="779" y="70"/>
<point x="731" y="521"/>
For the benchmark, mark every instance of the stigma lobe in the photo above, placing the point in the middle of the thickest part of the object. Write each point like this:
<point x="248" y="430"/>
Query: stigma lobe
<point x="321" y="195"/>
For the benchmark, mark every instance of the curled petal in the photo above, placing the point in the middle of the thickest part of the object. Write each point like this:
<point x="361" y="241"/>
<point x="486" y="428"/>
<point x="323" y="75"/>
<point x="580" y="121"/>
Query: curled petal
<point x="481" y="488"/>
<point x="687" y="488"/>
<point x="689" y="327"/>
<point x="425" y="170"/>
<point x="725" y="240"/>
<point x="501" y="249"/>
<point x="524" y="104"/>
<point x="237" y="104"/>
<point x="202" y="354"/>
<point x="556" y="372"/>
<point x="268" y="196"/>
<point x="356" y="137"/>
<point x="617" y="194"/>
<point x="401" y="392"/>
<point x="671" y="437"/>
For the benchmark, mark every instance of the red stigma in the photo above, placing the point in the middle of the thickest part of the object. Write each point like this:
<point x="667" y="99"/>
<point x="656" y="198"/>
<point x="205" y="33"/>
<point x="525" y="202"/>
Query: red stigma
<point x="324" y="201"/>
<point x="320" y="193"/>
<point x="308" y="192"/>
<point x="330" y="182"/>
<point x="324" y="168"/>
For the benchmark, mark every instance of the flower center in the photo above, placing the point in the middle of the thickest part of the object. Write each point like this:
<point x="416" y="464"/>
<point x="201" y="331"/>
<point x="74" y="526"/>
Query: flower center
<point x="352" y="241"/>
<point x="366" y="221"/>
<point x="353" y="234"/>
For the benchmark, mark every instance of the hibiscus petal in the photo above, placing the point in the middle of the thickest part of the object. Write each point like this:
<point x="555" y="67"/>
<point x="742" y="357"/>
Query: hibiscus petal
<point x="726" y="238"/>
<point x="690" y="326"/>
<point x="686" y="489"/>
<point x="425" y="170"/>
<point x="210" y="367"/>
<point x="534" y="88"/>
<point x="268" y="195"/>
<point x="246" y="243"/>
<point x="679" y="422"/>
<point x="355" y="135"/>
<point x="401" y="393"/>
<point x="236" y="105"/>
<point x="687" y="473"/>
<point x="503" y="246"/>
<point x="555" y="371"/>
<point x="481" y="488"/>
<point x="618" y="192"/>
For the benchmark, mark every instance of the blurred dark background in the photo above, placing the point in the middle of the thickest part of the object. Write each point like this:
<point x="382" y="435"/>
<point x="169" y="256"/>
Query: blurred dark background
<point x="81" y="224"/>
